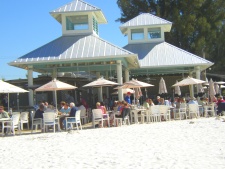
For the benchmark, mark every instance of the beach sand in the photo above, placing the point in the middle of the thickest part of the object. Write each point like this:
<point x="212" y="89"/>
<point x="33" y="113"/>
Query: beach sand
<point x="186" y="144"/>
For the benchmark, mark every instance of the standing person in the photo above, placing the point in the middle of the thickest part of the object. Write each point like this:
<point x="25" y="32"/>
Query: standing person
<point x="72" y="113"/>
<point x="127" y="98"/>
<point x="5" y="101"/>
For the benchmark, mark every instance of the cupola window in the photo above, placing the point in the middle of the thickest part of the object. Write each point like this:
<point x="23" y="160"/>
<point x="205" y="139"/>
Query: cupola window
<point x="77" y="22"/>
<point x="154" y="33"/>
<point x="137" y="34"/>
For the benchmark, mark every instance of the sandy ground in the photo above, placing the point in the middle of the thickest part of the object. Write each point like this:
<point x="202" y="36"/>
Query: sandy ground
<point x="187" y="144"/>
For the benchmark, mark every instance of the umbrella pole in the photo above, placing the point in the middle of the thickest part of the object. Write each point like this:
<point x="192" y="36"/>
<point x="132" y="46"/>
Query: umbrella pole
<point x="8" y="102"/>
<point x="56" y="100"/>
<point x="101" y="98"/>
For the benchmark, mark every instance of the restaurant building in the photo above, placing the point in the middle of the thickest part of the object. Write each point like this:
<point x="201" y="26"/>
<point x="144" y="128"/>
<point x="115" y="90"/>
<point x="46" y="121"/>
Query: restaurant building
<point x="81" y="49"/>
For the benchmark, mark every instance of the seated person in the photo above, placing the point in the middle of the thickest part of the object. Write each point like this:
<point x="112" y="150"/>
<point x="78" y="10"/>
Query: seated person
<point x="39" y="112"/>
<point x="103" y="108"/>
<point x="192" y="101"/>
<point x="123" y="110"/>
<point x="146" y="103"/>
<point x="72" y="113"/>
<point x="3" y="114"/>
<point x="63" y="112"/>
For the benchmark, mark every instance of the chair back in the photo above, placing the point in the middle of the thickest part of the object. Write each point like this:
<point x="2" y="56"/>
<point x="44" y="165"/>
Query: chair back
<point x="24" y="116"/>
<point x="82" y="113"/>
<point x="154" y="109"/>
<point x="183" y="105"/>
<point x="193" y="108"/>
<point x="97" y="113"/>
<point x="15" y="112"/>
<point x="77" y="115"/>
<point x="163" y="109"/>
<point x="48" y="117"/>
<point x="16" y="119"/>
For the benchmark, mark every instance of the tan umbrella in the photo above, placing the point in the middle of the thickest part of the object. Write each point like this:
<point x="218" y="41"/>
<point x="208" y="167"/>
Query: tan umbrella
<point x="189" y="81"/>
<point x="162" y="86"/>
<point x="216" y="87"/>
<point x="134" y="84"/>
<point x="177" y="90"/>
<point x="54" y="86"/>
<point x="220" y="84"/>
<point x="9" y="88"/>
<point x="212" y="91"/>
<point x="124" y="91"/>
<point x="100" y="83"/>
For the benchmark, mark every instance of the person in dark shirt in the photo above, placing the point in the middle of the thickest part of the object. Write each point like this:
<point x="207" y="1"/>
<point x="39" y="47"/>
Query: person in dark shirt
<point x="72" y="113"/>
<point x="39" y="112"/>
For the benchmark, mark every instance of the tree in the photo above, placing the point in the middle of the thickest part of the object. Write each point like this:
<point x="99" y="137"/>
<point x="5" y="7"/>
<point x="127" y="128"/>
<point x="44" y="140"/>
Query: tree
<point x="197" y="25"/>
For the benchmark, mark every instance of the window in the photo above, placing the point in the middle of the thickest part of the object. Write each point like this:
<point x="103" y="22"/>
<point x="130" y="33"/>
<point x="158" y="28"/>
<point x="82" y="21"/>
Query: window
<point x="137" y="34"/>
<point x="77" y="22"/>
<point x="154" y="33"/>
<point x="95" y="25"/>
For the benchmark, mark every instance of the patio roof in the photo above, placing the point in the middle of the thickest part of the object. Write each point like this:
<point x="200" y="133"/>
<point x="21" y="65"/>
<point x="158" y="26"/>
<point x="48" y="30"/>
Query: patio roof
<point x="78" y="49"/>
<point x="166" y="58"/>
<point x="146" y="19"/>
<point x="78" y="6"/>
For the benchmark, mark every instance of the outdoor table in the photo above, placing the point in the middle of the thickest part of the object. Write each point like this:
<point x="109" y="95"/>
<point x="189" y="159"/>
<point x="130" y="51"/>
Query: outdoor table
<point x="135" y="112"/>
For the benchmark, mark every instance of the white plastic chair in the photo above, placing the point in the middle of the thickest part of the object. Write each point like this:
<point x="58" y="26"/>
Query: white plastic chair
<point x="98" y="116"/>
<point x="49" y="120"/>
<point x="164" y="111"/>
<point x="24" y="119"/>
<point x="12" y="124"/>
<point x="83" y="116"/>
<point x="209" y="109"/>
<point x="154" y="113"/>
<point x="193" y="109"/>
<point x="119" y="120"/>
<point x="182" y="111"/>
<point x="35" y="122"/>
<point x="76" y="120"/>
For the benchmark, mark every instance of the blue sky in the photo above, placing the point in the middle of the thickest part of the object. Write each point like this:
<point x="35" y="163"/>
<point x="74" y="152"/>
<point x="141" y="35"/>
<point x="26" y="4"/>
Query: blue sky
<point x="27" y="25"/>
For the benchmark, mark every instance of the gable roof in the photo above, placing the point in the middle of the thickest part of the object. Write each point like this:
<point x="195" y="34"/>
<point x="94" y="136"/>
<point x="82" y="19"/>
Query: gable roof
<point x="153" y="55"/>
<point x="146" y="19"/>
<point x="78" y="6"/>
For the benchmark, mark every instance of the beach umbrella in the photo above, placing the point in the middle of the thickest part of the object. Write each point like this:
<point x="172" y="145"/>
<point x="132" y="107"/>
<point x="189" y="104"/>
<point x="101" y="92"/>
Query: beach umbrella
<point x="216" y="87"/>
<point x="212" y="91"/>
<point x="9" y="88"/>
<point x="189" y="81"/>
<point x="101" y="82"/>
<point x="162" y="86"/>
<point x="177" y="90"/>
<point x="54" y="86"/>
<point x="138" y="92"/>
<point x="220" y="83"/>
<point x="134" y="83"/>
<point x="124" y="91"/>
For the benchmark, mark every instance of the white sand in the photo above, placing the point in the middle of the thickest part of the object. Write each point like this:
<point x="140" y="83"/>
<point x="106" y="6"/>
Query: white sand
<point x="175" y="145"/>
